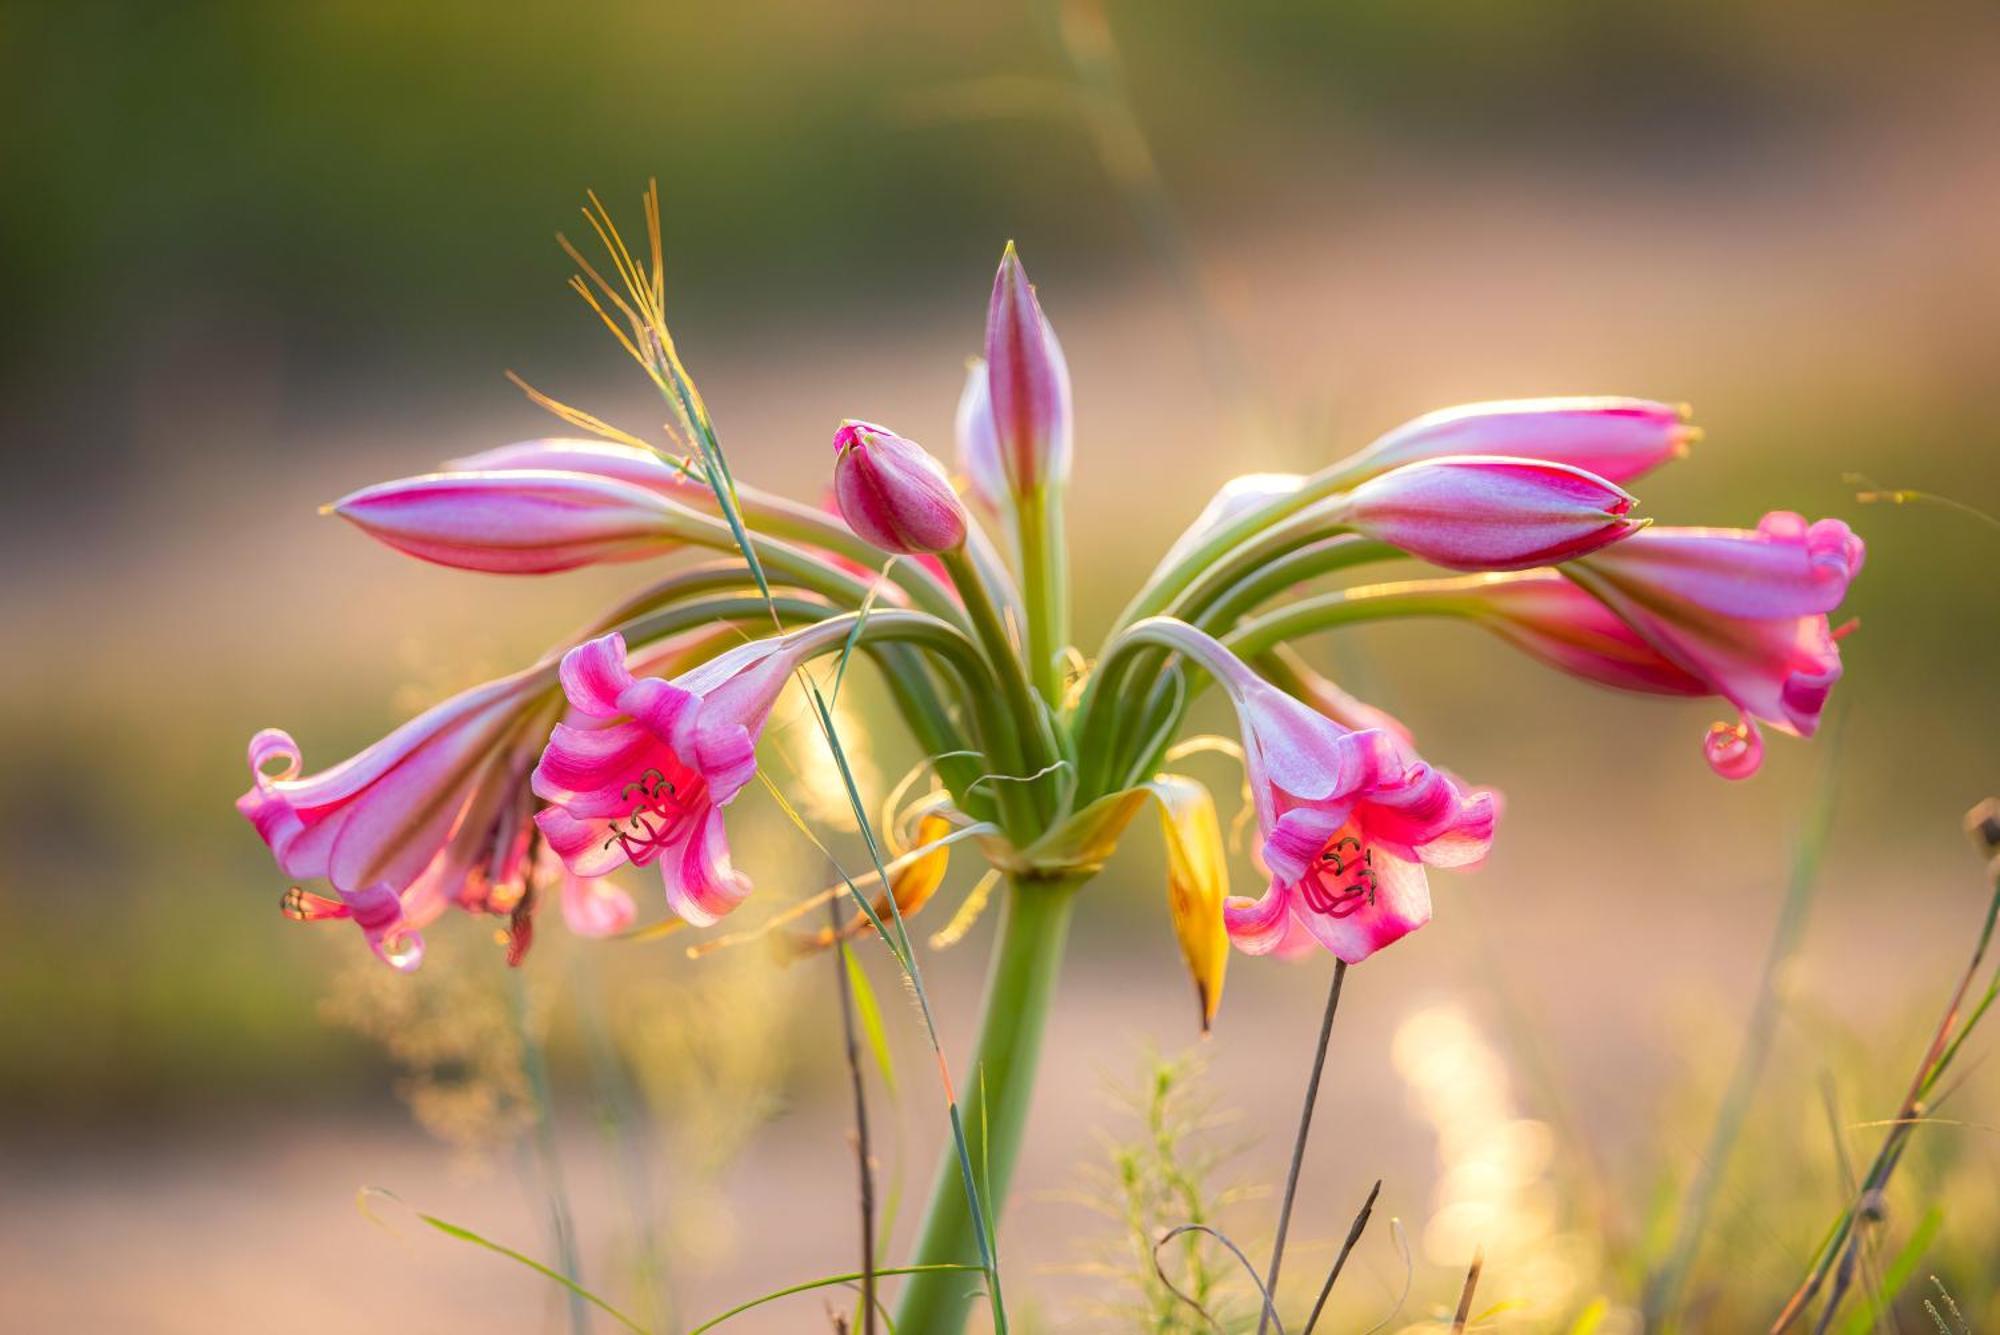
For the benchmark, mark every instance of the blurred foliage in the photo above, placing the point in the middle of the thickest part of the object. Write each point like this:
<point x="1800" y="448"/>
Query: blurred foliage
<point x="378" y="181"/>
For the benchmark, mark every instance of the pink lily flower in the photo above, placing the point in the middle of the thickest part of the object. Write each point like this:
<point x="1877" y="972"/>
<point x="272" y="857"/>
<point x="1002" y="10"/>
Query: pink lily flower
<point x="1488" y="513"/>
<point x="1617" y="439"/>
<point x="514" y="522"/>
<point x="645" y="773"/>
<point x="399" y="830"/>
<point x="1028" y="383"/>
<point x="438" y="813"/>
<point x="1349" y="820"/>
<point x="893" y="493"/>
<point x="1745" y="612"/>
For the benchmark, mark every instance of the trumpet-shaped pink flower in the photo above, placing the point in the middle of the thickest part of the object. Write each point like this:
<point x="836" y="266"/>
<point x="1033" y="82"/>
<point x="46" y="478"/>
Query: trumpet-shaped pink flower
<point x="1349" y="820"/>
<point x="1745" y="612"/>
<point x="1617" y="439"/>
<point x="398" y="830"/>
<point x="514" y="522"/>
<point x="1486" y="513"/>
<point x="383" y="815"/>
<point x="893" y="493"/>
<point x="644" y="776"/>
<point x="1027" y="382"/>
<point x="437" y="814"/>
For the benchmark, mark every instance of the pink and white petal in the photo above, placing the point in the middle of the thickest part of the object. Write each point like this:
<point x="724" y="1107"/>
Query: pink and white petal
<point x="1297" y="942"/>
<point x="594" y="676"/>
<point x="727" y="759"/>
<point x="1402" y="905"/>
<point x="1429" y="817"/>
<point x="1779" y="571"/>
<point x="702" y="886"/>
<point x="378" y="912"/>
<point x="663" y="709"/>
<point x="1295" y="839"/>
<point x="585" y="846"/>
<point x="443" y="736"/>
<point x="392" y="832"/>
<point x="588" y="769"/>
<point x="1468" y="838"/>
<point x="592" y="906"/>
<point x="1258" y="926"/>
<point x="1302" y="752"/>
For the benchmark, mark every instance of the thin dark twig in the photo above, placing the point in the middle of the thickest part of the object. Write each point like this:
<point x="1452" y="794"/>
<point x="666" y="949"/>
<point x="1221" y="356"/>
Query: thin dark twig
<point x="1353" y="1236"/>
<point x="861" y="1151"/>
<point x="1299" y="1144"/>
<point x="1465" y="1294"/>
<point x="1269" y="1310"/>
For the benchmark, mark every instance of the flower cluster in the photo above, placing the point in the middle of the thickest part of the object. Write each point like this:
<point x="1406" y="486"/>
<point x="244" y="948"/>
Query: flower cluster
<point x="628" y="746"/>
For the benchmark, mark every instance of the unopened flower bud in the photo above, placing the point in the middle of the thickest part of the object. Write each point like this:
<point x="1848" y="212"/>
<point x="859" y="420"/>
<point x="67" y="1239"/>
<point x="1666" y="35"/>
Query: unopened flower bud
<point x="1491" y="514"/>
<point x="1028" y="381"/>
<point x="893" y="493"/>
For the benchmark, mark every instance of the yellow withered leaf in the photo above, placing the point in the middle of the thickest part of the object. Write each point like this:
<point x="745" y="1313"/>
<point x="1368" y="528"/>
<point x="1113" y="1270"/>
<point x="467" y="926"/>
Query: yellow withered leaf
<point x="1197" y="884"/>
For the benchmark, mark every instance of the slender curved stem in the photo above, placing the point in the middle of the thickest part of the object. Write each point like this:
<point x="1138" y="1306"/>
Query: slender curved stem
<point x="1220" y="610"/>
<point x="1299" y="1142"/>
<point x="1338" y="609"/>
<point x="1322" y="557"/>
<point x="1020" y="987"/>
<point x="1159" y="593"/>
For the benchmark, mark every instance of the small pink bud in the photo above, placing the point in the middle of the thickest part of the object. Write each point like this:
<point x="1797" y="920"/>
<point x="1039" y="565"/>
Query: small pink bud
<point x="894" y="494"/>
<point x="513" y="522"/>
<point x="1478" y="513"/>
<point x="1028" y="382"/>
<point x="1617" y="439"/>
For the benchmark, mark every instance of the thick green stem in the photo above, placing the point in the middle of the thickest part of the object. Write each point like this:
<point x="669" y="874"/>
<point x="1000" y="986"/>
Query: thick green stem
<point x="1045" y="588"/>
<point x="995" y="1091"/>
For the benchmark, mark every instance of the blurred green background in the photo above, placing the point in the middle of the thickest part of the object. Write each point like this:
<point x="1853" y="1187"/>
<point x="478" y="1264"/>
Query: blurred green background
<point x="258" y="255"/>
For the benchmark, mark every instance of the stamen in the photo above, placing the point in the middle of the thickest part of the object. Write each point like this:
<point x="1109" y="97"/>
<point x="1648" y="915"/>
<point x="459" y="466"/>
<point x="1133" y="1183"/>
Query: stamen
<point x="657" y="816"/>
<point x="1342" y="880"/>
<point x="301" y="905"/>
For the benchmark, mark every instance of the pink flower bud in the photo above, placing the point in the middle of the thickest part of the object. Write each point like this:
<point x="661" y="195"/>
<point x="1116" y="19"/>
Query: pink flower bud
<point x="1028" y="381"/>
<point x="514" y="522"/>
<point x="892" y="493"/>
<point x="1617" y="439"/>
<point x="978" y="447"/>
<point x="1481" y="513"/>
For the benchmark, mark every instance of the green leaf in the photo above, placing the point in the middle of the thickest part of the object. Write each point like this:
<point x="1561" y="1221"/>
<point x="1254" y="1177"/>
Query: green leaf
<point x="464" y="1234"/>
<point x="828" y="1282"/>
<point x="871" y="1017"/>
